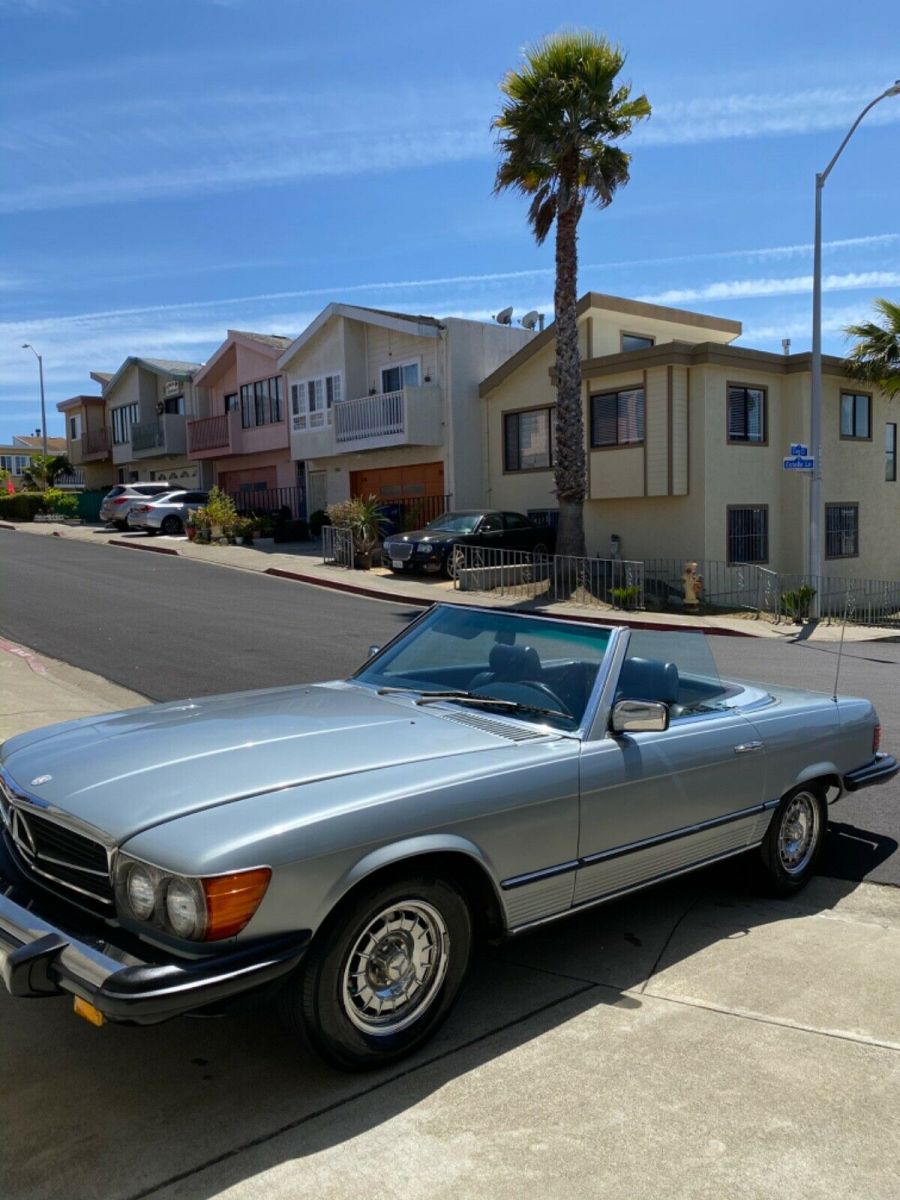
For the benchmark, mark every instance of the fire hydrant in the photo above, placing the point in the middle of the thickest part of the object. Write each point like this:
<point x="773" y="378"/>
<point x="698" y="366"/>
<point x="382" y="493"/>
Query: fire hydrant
<point x="693" y="585"/>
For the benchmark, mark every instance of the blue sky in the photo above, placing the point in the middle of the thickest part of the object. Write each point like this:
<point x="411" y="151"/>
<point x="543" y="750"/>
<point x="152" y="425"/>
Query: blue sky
<point x="171" y="169"/>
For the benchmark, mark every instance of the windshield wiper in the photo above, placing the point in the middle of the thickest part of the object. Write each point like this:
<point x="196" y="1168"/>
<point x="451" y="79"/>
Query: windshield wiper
<point x="492" y="702"/>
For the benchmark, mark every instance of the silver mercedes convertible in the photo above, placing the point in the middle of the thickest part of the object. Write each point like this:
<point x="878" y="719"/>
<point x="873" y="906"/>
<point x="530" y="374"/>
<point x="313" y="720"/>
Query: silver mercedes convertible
<point x="343" y="844"/>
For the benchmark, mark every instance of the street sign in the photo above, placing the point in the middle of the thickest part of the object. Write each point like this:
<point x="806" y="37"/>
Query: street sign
<point x="798" y="464"/>
<point x="798" y="450"/>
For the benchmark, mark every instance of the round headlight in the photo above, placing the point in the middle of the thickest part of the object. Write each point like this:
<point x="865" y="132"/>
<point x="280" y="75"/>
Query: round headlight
<point x="141" y="892"/>
<point x="185" y="909"/>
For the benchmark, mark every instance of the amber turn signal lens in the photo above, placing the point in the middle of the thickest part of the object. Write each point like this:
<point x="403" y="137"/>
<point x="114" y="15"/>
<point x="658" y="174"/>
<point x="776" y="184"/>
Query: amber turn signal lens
<point x="84" y="1008"/>
<point x="231" y="900"/>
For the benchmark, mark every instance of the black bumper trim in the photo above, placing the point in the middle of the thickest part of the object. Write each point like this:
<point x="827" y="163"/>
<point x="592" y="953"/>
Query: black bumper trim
<point x="882" y="768"/>
<point x="37" y="958"/>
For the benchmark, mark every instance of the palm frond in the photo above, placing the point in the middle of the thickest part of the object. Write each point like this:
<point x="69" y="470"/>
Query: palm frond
<point x="875" y="358"/>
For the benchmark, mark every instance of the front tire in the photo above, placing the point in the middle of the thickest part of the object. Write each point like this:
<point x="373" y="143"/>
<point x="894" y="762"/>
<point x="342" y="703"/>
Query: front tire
<point x="383" y="973"/>
<point x="172" y="525"/>
<point x="794" y="840"/>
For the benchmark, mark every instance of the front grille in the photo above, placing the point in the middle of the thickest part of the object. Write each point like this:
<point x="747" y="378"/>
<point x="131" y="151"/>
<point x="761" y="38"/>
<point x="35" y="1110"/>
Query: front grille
<point x="399" y="550"/>
<point x="75" y="866"/>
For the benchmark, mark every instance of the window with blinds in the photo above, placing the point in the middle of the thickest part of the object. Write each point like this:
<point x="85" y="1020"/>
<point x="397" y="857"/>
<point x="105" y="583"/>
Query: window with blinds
<point x="261" y="402"/>
<point x="748" y="534"/>
<point x="617" y="418"/>
<point x="312" y="401"/>
<point x="746" y="414"/>
<point x="528" y="440"/>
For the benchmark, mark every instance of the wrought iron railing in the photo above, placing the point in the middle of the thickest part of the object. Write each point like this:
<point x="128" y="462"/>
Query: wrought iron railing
<point x="553" y="578"/>
<point x="94" y="441"/>
<point x="285" y="501"/>
<point x="411" y="512"/>
<point x="337" y="546"/>
<point x="147" y="436"/>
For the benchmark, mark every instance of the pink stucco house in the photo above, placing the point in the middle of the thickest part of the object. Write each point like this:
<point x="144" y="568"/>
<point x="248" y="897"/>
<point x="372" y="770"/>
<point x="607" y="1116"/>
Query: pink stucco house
<point x="243" y="424"/>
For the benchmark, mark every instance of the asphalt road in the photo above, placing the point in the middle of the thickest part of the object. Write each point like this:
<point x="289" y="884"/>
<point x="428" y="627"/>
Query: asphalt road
<point x="169" y="627"/>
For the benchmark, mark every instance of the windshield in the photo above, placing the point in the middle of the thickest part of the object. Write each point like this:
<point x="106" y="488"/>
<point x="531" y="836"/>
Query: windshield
<point x="455" y="522"/>
<point x="532" y="663"/>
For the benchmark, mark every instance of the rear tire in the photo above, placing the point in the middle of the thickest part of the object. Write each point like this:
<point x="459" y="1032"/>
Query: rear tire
<point x="382" y="974"/>
<point x="794" y="840"/>
<point x="172" y="525"/>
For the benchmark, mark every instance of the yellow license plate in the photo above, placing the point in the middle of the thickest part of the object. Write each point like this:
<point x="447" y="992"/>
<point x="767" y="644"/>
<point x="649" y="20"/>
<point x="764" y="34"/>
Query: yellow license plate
<point x="84" y="1008"/>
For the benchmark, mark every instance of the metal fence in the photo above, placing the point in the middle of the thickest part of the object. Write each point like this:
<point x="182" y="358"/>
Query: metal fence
<point x="269" y="502"/>
<point x="734" y="586"/>
<point x="411" y="512"/>
<point x="337" y="546"/>
<point x="553" y="578"/>
<point x="857" y="601"/>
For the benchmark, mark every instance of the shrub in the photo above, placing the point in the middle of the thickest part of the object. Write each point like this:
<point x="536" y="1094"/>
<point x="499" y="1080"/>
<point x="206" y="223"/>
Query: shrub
<point x="21" y="506"/>
<point x="220" y="508"/>
<point x="364" y="517"/>
<point x="796" y="603"/>
<point x="624" y="597"/>
<point x="317" y="520"/>
<point x="58" y="501"/>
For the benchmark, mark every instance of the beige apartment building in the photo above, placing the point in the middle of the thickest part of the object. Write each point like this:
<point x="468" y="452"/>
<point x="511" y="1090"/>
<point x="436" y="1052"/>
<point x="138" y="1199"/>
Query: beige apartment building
<point x="87" y="438"/>
<point x="686" y="438"/>
<point x="387" y="404"/>
<point x="148" y="403"/>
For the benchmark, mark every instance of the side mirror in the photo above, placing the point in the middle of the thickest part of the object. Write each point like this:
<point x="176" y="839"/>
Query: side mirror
<point x="373" y="650"/>
<point x="640" y="716"/>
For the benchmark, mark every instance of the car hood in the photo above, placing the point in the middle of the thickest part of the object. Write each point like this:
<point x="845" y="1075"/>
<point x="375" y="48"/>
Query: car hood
<point x="427" y="535"/>
<point x="125" y="772"/>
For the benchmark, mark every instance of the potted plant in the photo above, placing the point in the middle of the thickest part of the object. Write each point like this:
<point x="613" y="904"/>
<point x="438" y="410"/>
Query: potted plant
<point x="221" y="512"/>
<point x="364" y="517"/>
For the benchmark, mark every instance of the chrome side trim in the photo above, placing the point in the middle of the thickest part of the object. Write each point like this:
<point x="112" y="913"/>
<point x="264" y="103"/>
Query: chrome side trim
<point x="676" y="834"/>
<point x="587" y="860"/>
<point x="635" y="887"/>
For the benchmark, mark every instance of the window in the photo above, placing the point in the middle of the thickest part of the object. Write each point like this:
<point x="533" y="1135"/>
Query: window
<point x="841" y="530"/>
<point x="856" y="411"/>
<point x="75" y="428"/>
<point x="515" y="521"/>
<point x="401" y="376"/>
<point x="617" y="418"/>
<point x="261" y="402"/>
<point x="746" y="414"/>
<point x="122" y="420"/>
<point x="312" y="401"/>
<point x="890" y="452"/>
<point x="14" y="463"/>
<point x="528" y="440"/>
<point x="748" y="534"/>
<point x="174" y="405"/>
<point x="637" y="341"/>
<point x="231" y="402"/>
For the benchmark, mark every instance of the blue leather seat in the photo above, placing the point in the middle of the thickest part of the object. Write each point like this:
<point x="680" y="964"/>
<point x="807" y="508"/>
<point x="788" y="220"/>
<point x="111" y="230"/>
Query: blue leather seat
<point x="648" y="679"/>
<point x="509" y="664"/>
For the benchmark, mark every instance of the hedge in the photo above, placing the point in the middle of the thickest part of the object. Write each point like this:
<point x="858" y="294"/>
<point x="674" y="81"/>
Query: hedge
<point x="20" y="506"/>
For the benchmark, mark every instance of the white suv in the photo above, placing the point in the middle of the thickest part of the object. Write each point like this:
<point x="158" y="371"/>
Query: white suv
<point x="116" y="503"/>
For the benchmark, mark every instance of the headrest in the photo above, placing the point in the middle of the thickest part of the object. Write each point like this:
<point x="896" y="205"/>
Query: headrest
<point x="512" y="663"/>
<point x="648" y="679"/>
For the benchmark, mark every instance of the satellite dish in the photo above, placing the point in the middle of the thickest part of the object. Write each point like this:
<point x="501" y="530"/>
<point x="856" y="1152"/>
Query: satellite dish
<point x="530" y="319"/>
<point x="504" y="317"/>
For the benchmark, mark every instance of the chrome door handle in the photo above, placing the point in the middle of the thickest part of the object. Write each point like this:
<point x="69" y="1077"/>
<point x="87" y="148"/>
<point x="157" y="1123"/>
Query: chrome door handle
<point x="748" y="747"/>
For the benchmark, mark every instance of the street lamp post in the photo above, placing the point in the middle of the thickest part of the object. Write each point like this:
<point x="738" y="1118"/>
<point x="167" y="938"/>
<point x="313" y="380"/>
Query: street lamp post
<point x="28" y="346"/>
<point x="815" y="404"/>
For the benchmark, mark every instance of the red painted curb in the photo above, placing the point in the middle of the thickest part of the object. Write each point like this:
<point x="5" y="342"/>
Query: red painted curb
<point x="423" y="603"/>
<point x="143" y="546"/>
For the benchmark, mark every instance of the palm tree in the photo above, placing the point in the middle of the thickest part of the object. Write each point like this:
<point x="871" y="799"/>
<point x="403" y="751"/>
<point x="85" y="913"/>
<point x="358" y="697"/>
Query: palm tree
<point x="43" y="470"/>
<point x="876" y="356"/>
<point x="562" y="110"/>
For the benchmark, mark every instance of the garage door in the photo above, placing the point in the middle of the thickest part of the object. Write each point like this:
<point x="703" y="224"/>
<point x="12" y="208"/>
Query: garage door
<point x="399" y="483"/>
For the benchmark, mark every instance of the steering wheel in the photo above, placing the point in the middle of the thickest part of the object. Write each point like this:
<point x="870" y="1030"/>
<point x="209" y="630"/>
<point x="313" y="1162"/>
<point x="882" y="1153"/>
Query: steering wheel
<point x="508" y="690"/>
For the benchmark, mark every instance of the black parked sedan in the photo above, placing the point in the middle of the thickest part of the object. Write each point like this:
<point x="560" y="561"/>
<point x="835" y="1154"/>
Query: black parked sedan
<point x="432" y="548"/>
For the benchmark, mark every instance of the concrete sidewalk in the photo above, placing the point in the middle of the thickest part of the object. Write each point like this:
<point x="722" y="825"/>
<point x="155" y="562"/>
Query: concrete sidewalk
<point x="692" y="1041"/>
<point x="303" y="562"/>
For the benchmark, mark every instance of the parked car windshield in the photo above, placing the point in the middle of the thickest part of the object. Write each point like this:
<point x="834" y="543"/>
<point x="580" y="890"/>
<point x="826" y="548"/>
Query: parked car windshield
<point x="455" y="522"/>
<point x="526" y="660"/>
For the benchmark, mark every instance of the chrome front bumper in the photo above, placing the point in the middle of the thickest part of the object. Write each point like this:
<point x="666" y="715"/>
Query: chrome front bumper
<point x="39" y="958"/>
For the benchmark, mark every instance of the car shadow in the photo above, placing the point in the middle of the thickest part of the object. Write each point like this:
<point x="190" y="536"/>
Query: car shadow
<point x="197" y="1106"/>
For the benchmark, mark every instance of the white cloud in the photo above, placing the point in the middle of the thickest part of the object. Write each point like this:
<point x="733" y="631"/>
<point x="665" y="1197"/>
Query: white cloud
<point x="746" y="289"/>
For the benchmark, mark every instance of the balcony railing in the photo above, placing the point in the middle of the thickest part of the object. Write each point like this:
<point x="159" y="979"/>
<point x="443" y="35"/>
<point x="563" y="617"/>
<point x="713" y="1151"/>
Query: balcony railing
<point x="210" y="433"/>
<point x="147" y="436"/>
<point x="165" y="435"/>
<point x="95" y="441"/>
<point x="369" y="417"/>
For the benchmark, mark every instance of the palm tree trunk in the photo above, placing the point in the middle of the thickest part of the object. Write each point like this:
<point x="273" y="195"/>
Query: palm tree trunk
<point x="570" y="471"/>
